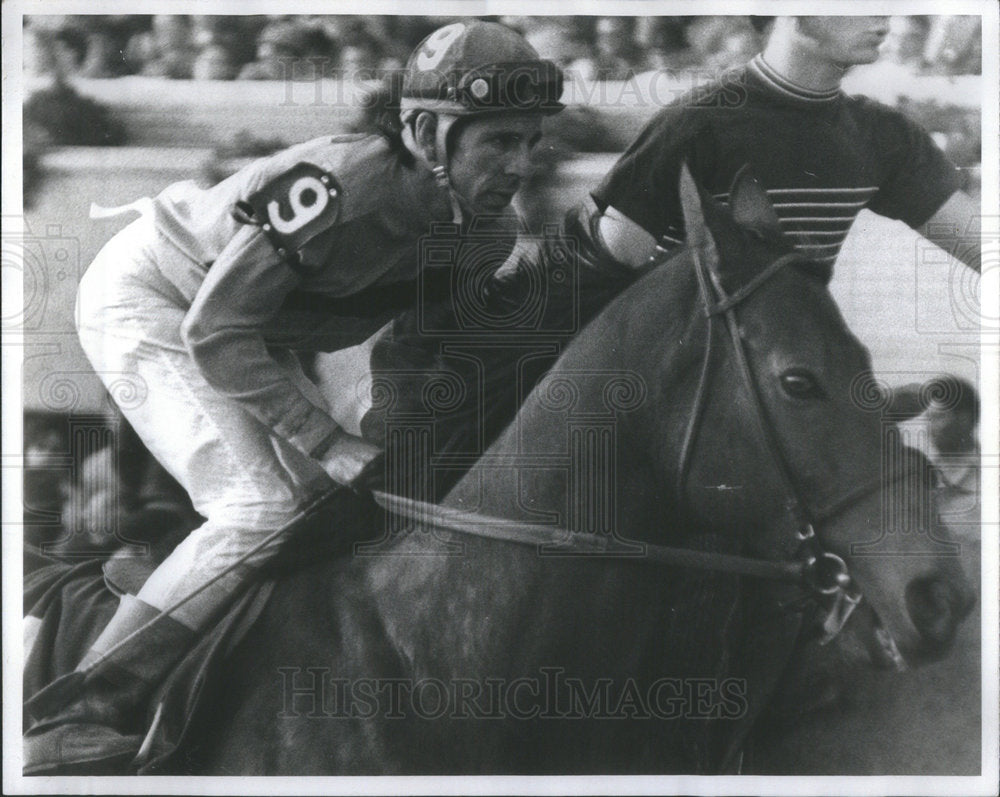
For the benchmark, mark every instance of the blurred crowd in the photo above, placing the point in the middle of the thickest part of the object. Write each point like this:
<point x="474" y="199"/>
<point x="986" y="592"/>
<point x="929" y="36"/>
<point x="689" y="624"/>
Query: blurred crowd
<point x="84" y="503"/>
<point x="270" y="47"/>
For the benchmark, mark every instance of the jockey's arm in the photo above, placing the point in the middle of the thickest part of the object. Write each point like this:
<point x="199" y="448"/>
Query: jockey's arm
<point x="224" y="333"/>
<point x="955" y="227"/>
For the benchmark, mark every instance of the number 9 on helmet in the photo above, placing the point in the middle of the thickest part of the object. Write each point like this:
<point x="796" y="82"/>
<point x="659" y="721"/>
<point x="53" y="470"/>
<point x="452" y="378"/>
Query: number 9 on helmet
<point x="476" y="67"/>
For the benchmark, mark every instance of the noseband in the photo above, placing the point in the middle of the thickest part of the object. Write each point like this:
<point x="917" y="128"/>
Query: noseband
<point x="822" y="573"/>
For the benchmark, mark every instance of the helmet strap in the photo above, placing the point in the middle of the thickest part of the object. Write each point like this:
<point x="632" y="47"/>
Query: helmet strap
<point x="456" y="206"/>
<point x="446" y="128"/>
<point x="438" y="164"/>
<point x="442" y="179"/>
<point x="440" y="175"/>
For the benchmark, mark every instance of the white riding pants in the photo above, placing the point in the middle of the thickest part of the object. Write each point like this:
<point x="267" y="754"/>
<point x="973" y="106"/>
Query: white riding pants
<point x="240" y="476"/>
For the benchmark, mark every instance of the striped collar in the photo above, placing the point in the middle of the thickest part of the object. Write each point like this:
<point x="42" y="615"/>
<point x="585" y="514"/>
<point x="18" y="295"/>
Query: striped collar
<point x="786" y="89"/>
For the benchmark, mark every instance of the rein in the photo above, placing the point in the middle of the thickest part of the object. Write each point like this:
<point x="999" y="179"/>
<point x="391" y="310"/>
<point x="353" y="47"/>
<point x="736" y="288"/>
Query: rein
<point x="562" y="541"/>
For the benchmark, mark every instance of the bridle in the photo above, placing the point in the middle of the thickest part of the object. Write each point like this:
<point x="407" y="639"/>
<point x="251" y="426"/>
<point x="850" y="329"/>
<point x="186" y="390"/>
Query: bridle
<point x="823" y="574"/>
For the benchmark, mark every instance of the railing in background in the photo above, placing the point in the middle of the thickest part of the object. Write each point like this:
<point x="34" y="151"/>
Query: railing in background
<point x="189" y="113"/>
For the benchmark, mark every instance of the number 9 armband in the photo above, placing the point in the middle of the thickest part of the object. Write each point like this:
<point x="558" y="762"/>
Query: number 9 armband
<point x="292" y="209"/>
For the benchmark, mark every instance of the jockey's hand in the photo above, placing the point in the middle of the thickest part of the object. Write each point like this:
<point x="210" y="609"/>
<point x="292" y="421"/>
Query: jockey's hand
<point x="347" y="456"/>
<point x="372" y="477"/>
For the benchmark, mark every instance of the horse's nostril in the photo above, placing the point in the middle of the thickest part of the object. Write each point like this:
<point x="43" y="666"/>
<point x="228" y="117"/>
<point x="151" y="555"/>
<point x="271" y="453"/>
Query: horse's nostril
<point x="936" y="608"/>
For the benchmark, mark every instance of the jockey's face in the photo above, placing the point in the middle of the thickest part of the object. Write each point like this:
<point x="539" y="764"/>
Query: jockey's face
<point x="490" y="159"/>
<point x="844" y="41"/>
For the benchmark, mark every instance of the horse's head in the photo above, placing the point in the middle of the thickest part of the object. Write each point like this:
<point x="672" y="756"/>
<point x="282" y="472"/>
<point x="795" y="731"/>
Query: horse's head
<point x="777" y="430"/>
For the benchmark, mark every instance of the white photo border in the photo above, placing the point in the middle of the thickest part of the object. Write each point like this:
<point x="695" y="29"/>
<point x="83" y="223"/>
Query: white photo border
<point x="14" y="783"/>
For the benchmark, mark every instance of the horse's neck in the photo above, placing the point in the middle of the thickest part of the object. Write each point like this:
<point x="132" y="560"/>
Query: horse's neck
<point x="602" y="431"/>
<point x="506" y="609"/>
<point x="586" y="465"/>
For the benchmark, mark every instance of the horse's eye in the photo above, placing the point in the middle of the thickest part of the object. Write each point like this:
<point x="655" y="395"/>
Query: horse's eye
<point x="800" y="385"/>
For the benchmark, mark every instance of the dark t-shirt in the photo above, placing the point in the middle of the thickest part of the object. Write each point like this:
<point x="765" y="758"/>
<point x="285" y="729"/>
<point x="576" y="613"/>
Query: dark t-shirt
<point x="821" y="156"/>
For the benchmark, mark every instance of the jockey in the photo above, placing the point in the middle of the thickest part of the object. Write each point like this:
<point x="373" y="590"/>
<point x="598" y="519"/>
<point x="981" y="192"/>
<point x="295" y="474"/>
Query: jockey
<point x="200" y="302"/>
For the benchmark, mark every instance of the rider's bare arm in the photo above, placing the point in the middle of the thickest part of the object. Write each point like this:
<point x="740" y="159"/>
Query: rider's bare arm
<point x="624" y="240"/>
<point x="955" y="227"/>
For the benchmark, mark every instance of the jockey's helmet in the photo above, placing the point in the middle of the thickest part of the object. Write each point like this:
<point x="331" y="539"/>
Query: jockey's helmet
<point x="472" y="68"/>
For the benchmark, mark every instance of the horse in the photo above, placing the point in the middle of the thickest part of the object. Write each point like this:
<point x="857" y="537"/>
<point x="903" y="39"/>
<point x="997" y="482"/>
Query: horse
<point x="617" y="584"/>
<point x="718" y="406"/>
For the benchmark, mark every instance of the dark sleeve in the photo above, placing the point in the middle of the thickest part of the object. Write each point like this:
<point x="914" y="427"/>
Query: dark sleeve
<point x="569" y="266"/>
<point x="643" y="183"/>
<point x="918" y="178"/>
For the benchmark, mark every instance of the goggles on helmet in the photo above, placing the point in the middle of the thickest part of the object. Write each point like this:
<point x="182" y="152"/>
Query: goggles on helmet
<point x="526" y="86"/>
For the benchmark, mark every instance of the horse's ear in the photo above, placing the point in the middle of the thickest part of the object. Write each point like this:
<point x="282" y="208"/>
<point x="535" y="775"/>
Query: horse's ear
<point x="698" y="236"/>
<point x="750" y="206"/>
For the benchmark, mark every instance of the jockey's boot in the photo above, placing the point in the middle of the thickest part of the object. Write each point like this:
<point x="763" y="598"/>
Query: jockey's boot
<point x="92" y="721"/>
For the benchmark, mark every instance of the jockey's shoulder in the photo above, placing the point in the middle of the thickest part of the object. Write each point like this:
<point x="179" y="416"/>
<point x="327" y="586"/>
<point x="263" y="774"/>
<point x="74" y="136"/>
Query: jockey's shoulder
<point x="366" y="170"/>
